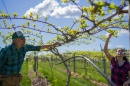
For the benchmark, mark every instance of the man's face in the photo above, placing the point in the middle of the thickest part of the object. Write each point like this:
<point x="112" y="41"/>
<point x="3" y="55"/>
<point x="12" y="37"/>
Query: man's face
<point x="20" y="42"/>
<point x="120" y="52"/>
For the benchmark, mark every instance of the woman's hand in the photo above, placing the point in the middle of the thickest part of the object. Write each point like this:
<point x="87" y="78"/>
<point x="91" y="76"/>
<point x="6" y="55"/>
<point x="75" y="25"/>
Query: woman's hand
<point x="109" y="36"/>
<point x="125" y="83"/>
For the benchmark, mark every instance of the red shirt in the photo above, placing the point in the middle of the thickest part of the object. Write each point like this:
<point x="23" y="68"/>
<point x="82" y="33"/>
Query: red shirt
<point x="119" y="74"/>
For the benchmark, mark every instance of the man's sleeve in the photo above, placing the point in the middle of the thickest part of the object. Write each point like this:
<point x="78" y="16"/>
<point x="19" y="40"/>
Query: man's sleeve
<point x="33" y="48"/>
<point x="2" y="57"/>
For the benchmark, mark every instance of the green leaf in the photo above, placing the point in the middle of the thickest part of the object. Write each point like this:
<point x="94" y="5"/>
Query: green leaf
<point x="101" y="3"/>
<point x="112" y="6"/>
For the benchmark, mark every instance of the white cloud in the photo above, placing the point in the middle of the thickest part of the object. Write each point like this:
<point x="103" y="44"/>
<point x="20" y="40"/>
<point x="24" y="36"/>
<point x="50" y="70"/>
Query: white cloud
<point x="123" y="32"/>
<point x="44" y="8"/>
<point x="120" y="46"/>
<point x="52" y="8"/>
<point x="70" y="11"/>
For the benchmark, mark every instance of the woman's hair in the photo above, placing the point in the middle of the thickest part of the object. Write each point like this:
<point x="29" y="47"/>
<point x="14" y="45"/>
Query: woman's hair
<point x="120" y="48"/>
<point x="125" y="58"/>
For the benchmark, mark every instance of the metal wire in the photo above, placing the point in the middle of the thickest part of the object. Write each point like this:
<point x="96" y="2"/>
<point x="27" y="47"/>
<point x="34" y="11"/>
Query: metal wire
<point x="6" y="10"/>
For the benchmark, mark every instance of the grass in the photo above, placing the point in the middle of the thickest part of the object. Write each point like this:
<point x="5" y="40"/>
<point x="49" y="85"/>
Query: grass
<point x="25" y="80"/>
<point x="58" y="77"/>
<point x="91" y="71"/>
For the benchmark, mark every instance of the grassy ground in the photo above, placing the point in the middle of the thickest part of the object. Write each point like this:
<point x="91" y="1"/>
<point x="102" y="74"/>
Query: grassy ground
<point x="26" y="80"/>
<point x="57" y="76"/>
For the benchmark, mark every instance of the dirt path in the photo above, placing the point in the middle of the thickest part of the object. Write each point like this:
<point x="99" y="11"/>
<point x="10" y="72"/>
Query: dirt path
<point x="99" y="83"/>
<point x="93" y="81"/>
<point x="38" y="80"/>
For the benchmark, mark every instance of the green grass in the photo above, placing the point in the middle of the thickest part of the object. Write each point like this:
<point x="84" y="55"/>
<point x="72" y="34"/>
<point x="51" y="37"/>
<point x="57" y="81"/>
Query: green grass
<point x="58" y="77"/>
<point x="91" y="71"/>
<point x="25" y="80"/>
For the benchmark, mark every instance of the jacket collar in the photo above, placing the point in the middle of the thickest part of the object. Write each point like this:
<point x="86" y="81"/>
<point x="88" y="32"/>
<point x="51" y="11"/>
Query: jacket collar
<point x="13" y="46"/>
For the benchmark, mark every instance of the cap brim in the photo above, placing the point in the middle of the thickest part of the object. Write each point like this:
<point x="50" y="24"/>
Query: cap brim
<point x="21" y="36"/>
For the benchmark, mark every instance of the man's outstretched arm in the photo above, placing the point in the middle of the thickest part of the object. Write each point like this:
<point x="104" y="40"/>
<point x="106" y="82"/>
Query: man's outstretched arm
<point x="51" y="45"/>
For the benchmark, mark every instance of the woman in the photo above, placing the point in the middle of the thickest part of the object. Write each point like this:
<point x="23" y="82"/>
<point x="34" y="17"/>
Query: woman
<point x="120" y="67"/>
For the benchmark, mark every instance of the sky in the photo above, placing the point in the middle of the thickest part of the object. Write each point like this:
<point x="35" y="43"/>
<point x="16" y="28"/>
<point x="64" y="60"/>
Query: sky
<point x="61" y="15"/>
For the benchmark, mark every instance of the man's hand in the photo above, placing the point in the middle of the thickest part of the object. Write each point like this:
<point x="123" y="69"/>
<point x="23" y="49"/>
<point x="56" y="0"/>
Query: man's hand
<point x="49" y="46"/>
<point x="56" y="43"/>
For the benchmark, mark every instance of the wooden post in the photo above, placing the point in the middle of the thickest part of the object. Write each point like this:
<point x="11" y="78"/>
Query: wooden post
<point x="74" y="64"/>
<point x="104" y="60"/>
<point x="35" y="63"/>
<point x="85" y="67"/>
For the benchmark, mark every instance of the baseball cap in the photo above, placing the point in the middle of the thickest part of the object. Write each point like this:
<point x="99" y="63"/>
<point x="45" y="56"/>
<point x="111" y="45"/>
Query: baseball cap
<point x="18" y="34"/>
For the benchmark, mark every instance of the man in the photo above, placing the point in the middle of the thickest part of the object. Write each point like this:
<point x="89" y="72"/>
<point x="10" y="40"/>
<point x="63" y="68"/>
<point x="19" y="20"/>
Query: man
<point x="12" y="57"/>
